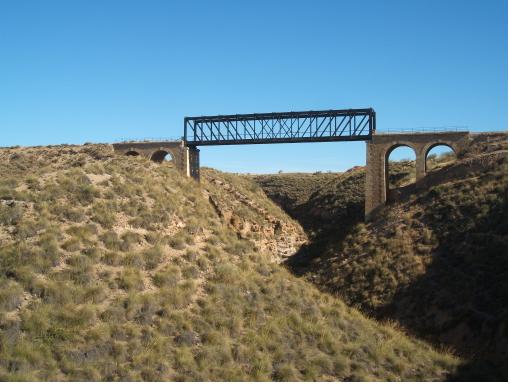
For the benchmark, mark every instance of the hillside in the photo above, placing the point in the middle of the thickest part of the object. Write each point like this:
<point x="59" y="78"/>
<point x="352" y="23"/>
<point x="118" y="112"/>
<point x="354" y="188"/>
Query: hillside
<point x="116" y="268"/>
<point x="312" y="199"/>
<point x="434" y="261"/>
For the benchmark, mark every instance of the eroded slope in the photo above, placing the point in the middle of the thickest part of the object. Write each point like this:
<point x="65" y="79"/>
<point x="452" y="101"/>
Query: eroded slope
<point x="435" y="260"/>
<point x="115" y="268"/>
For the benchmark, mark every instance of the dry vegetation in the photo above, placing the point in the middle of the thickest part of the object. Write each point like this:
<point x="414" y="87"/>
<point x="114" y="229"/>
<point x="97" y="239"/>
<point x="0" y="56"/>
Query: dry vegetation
<point x="434" y="261"/>
<point x="119" y="269"/>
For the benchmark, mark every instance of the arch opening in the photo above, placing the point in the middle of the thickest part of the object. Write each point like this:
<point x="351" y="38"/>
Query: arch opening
<point x="132" y="153"/>
<point x="438" y="156"/>
<point x="400" y="167"/>
<point x="162" y="156"/>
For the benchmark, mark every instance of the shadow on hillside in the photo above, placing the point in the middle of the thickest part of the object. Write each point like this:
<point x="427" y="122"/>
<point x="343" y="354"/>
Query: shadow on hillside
<point x="462" y="299"/>
<point x="324" y="234"/>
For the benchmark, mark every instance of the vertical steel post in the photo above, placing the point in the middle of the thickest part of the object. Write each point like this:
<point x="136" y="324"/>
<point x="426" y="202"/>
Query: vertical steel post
<point x="185" y="129"/>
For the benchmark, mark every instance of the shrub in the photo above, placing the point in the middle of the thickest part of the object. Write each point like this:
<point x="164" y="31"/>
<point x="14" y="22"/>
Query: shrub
<point x="85" y="193"/>
<point x="10" y="215"/>
<point x="128" y="240"/>
<point x="239" y="247"/>
<point x="28" y="228"/>
<point x="177" y="242"/>
<point x="190" y="272"/>
<point x="286" y="372"/>
<point x="76" y="215"/>
<point x="48" y="246"/>
<point x="82" y="232"/>
<point x="226" y="273"/>
<point x="111" y="240"/>
<point x="130" y="279"/>
<point x="103" y="214"/>
<point x="211" y="252"/>
<point x="11" y="295"/>
<point x="168" y="277"/>
<point x="191" y="255"/>
<point x="112" y="258"/>
<point x="72" y="245"/>
<point x="202" y="263"/>
<point x="153" y="257"/>
<point x="134" y="260"/>
<point x="153" y="238"/>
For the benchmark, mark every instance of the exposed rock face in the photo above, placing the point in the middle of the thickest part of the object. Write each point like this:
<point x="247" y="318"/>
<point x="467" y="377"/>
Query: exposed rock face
<point x="266" y="226"/>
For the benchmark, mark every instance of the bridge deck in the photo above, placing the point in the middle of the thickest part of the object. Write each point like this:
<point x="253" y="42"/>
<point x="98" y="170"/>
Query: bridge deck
<point x="280" y="127"/>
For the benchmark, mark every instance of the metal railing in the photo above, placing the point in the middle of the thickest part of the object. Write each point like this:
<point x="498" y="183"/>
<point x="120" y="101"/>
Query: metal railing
<point x="147" y="139"/>
<point x="446" y="128"/>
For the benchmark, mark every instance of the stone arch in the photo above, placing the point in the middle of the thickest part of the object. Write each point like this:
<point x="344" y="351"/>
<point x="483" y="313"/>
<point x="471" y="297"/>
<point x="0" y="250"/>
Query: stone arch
<point x="387" y="154"/>
<point x="159" y="155"/>
<point x="377" y="153"/>
<point x="132" y="152"/>
<point x="437" y="144"/>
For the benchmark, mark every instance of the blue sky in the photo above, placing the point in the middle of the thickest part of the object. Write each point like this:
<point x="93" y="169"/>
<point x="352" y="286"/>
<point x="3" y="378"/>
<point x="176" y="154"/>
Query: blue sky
<point x="100" y="71"/>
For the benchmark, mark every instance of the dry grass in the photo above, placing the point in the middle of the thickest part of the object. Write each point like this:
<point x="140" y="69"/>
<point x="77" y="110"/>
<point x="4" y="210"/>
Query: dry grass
<point x="435" y="261"/>
<point x="154" y="285"/>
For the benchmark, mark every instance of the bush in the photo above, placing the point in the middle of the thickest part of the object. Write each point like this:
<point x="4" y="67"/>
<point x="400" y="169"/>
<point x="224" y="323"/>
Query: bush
<point x="112" y="258"/>
<point x="10" y="215"/>
<point x="153" y="257"/>
<point x="177" y="242"/>
<point x="128" y="240"/>
<point x="191" y="255"/>
<point x="72" y="245"/>
<point x="103" y="214"/>
<point x="11" y="295"/>
<point x="111" y="240"/>
<point x="168" y="277"/>
<point x="130" y="279"/>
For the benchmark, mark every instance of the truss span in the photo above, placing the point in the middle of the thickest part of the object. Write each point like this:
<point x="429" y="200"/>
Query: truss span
<point x="280" y="127"/>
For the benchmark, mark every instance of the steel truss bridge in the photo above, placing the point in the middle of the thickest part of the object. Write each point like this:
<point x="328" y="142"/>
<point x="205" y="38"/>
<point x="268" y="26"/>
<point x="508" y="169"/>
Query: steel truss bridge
<point x="280" y="127"/>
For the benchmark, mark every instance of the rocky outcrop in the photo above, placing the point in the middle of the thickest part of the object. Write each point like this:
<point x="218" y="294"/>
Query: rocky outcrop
<point x="274" y="233"/>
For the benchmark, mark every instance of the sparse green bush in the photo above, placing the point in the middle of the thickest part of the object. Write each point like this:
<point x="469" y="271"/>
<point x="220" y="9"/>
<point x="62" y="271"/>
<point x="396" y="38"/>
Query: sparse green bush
<point x="212" y="252"/>
<point x="177" y="242"/>
<point x="191" y="255"/>
<point x="168" y="277"/>
<point x="112" y="258"/>
<point x="191" y="272"/>
<point x="10" y="215"/>
<point x="111" y="240"/>
<point x="130" y="279"/>
<point x="83" y="232"/>
<point x="72" y="245"/>
<point x="226" y="272"/>
<point x="66" y="212"/>
<point x="134" y="260"/>
<point x="128" y="240"/>
<point x="11" y="295"/>
<point x="103" y="214"/>
<point x="153" y="256"/>
<point x="28" y="228"/>
<point x="239" y="247"/>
